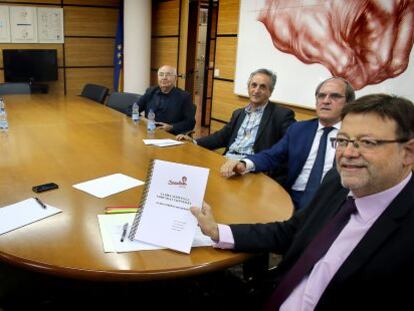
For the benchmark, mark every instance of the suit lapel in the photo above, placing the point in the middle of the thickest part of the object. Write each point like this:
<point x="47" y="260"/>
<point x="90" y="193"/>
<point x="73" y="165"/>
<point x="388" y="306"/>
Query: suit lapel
<point x="309" y="139"/>
<point x="238" y="123"/>
<point x="264" y="120"/>
<point x="380" y="231"/>
<point x="304" y="137"/>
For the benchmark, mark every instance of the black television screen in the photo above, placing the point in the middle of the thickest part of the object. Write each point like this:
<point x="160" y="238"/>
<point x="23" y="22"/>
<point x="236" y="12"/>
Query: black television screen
<point x="30" y="65"/>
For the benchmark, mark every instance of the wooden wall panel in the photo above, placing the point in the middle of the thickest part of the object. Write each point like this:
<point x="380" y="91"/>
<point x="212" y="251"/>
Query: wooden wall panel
<point x="90" y="27"/>
<point x="110" y="3"/>
<point x="89" y="51"/>
<point x="164" y="51"/>
<point x="165" y="18"/>
<point x="226" y="57"/>
<point x="58" y="47"/>
<point x="228" y="20"/>
<point x="87" y="21"/>
<point x="301" y="113"/>
<point x="182" y="59"/>
<point x="35" y="2"/>
<point x="58" y="87"/>
<point x="76" y="78"/>
<point x="225" y="102"/>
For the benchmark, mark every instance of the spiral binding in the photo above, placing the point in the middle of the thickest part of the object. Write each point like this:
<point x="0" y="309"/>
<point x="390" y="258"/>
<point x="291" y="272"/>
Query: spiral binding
<point x="137" y="218"/>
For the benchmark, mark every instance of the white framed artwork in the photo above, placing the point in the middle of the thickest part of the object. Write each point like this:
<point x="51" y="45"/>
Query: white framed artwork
<point x="50" y="25"/>
<point x="307" y="41"/>
<point x="4" y="24"/>
<point x="23" y="21"/>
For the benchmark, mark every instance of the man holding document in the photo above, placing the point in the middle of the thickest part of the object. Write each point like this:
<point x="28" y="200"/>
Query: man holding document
<point x="353" y="250"/>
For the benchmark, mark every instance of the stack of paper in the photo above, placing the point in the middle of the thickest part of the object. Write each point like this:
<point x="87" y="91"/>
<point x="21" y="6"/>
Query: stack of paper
<point x="111" y="227"/>
<point x="162" y="142"/>
<point x="24" y="213"/>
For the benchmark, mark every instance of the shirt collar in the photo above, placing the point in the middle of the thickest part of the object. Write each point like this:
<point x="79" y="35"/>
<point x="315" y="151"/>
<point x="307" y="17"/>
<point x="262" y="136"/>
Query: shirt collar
<point x="158" y="91"/>
<point x="336" y="125"/>
<point x="374" y="204"/>
<point x="260" y="109"/>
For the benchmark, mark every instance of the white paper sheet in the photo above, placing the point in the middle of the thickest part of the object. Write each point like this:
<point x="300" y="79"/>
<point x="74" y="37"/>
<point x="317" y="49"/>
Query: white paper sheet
<point x="23" y="213"/>
<point x="111" y="231"/>
<point x="108" y="185"/>
<point x="162" y="142"/>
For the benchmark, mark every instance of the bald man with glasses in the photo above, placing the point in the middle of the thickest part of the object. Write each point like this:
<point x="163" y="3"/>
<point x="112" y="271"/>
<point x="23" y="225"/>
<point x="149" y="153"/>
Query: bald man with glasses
<point x="173" y="107"/>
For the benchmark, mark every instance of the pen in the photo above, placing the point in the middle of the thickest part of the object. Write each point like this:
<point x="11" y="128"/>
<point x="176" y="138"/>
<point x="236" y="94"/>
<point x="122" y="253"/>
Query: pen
<point x="124" y="232"/>
<point x="40" y="202"/>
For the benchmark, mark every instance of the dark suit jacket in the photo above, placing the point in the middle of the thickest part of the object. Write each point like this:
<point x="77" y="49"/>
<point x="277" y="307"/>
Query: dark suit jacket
<point x="273" y="125"/>
<point x="292" y="149"/>
<point x="180" y="111"/>
<point x="375" y="276"/>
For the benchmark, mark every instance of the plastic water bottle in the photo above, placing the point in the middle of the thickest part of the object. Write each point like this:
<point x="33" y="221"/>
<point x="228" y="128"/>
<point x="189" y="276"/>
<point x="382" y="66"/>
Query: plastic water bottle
<point x="4" y="124"/>
<point x="135" y="112"/>
<point x="151" y="122"/>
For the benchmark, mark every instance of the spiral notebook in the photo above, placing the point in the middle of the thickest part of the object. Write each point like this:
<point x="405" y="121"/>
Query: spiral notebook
<point x="164" y="218"/>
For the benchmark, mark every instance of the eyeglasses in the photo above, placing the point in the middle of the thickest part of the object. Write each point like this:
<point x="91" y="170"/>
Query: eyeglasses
<point x="165" y="74"/>
<point x="362" y="144"/>
<point x="333" y="96"/>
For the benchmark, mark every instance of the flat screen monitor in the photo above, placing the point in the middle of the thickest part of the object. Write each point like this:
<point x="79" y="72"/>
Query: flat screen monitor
<point x="30" y="65"/>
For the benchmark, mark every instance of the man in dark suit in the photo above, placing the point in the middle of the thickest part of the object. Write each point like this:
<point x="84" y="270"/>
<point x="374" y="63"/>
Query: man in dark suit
<point x="368" y="262"/>
<point x="299" y="147"/>
<point x="173" y="107"/>
<point x="255" y="127"/>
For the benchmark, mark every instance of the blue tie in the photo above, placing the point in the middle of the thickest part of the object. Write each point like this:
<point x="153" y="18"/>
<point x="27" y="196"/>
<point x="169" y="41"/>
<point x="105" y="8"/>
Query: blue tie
<point x="316" y="249"/>
<point x="315" y="176"/>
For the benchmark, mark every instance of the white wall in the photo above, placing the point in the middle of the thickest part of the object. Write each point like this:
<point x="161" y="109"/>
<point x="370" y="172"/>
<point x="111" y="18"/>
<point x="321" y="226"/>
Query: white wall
<point x="137" y="45"/>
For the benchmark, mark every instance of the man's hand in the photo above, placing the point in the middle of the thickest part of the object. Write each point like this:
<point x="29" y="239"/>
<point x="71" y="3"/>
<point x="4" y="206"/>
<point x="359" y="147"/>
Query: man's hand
<point x="164" y="126"/>
<point x="365" y="42"/>
<point x="183" y="137"/>
<point x="206" y="221"/>
<point x="232" y="167"/>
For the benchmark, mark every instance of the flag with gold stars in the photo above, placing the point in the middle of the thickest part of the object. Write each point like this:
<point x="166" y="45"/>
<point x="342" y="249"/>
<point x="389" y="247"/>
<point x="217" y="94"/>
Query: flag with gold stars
<point x="119" y="51"/>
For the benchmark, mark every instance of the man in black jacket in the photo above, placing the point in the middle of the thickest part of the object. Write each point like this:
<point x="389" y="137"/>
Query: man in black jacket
<point x="173" y="107"/>
<point x="254" y="128"/>
<point x="367" y="263"/>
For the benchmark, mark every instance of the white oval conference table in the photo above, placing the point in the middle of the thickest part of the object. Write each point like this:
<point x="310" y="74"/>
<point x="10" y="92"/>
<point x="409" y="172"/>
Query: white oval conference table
<point x="68" y="140"/>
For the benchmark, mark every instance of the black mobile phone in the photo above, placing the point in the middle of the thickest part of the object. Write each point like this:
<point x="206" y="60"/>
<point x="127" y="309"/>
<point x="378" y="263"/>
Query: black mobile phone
<point x="45" y="187"/>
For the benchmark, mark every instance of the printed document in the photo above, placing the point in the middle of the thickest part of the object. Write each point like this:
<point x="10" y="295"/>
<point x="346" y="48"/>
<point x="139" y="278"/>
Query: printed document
<point x="165" y="218"/>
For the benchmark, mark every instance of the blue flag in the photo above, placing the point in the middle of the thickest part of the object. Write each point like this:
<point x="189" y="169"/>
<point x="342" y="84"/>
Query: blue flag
<point x="119" y="50"/>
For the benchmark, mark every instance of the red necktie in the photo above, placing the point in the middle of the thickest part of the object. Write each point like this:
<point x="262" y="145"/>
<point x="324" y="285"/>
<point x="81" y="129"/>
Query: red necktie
<point x="311" y="255"/>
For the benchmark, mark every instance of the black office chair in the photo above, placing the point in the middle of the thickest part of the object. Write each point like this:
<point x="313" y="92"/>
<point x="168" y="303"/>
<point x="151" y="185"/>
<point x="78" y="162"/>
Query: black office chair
<point x="14" y="88"/>
<point x="95" y="92"/>
<point x="123" y="101"/>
